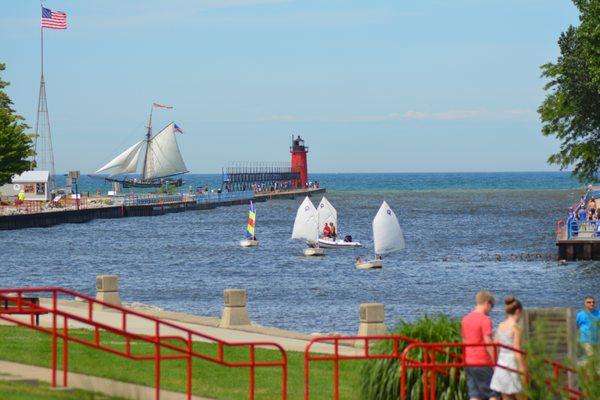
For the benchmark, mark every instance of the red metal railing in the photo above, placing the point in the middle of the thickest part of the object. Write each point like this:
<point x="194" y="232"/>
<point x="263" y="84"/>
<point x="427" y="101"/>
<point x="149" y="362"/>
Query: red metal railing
<point x="336" y="357"/>
<point x="160" y="339"/>
<point x="431" y="365"/>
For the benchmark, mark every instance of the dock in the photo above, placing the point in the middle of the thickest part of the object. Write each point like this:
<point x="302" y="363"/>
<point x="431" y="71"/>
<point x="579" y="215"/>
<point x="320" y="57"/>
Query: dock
<point x="578" y="239"/>
<point x="288" y="194"/>
<point x="142" y="206"/>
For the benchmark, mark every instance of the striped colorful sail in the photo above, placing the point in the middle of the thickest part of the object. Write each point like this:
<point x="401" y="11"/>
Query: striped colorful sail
<point x="251" y="221"/>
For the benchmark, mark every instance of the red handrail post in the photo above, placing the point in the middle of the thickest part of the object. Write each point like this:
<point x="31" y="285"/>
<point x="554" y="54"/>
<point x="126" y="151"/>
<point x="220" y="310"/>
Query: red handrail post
<point x="189" y="366"/>
<point x="336" y="370"/>
<point x="252" y="371"/>
<point x="65" y="350"/>
<point x="433" y="378"/>
<point x="157" y="361"/>
<point x="306" y="374"/>
<point x="127" y="337"/>
<point x="284" y="376"/>
<point x="425" y="375"/>
<point x="53" y="351"/>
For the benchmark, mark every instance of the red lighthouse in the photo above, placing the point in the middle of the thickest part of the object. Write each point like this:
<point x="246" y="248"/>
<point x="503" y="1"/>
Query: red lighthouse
<point x="299" y="164"/>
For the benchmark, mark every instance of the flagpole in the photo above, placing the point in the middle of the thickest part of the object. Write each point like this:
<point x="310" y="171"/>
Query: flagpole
<point x="42" y="40"/>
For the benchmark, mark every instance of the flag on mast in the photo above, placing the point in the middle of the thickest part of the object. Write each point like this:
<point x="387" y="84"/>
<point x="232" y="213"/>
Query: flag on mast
<point x="156" y="105"/>
<point x="251" y="220"/>
<point x="53" y="19"/>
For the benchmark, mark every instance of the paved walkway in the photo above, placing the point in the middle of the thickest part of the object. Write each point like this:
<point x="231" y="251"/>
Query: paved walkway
<point x="91" y="383"/>
<point x="290" y="341"/>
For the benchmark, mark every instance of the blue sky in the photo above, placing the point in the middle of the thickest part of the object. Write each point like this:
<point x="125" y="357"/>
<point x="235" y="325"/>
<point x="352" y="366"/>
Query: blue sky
<point x="386" y="86"/>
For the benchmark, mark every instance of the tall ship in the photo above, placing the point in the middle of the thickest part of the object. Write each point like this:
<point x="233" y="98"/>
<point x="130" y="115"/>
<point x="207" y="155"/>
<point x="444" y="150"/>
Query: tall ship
<point x="163" y="163"/>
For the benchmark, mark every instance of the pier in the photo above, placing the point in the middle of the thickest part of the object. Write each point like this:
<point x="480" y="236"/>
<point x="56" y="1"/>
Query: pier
<point x="577" y="237"/>
<point x="142" y="206"/>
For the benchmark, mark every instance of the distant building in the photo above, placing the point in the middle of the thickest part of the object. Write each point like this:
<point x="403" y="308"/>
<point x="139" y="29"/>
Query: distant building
<point x="35" y="185"/>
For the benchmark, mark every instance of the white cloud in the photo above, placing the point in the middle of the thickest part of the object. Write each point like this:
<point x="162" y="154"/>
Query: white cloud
<point x="451" y="115"/>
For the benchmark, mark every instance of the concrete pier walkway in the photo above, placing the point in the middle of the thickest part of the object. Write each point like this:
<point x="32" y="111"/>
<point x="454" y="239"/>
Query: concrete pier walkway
<point x="290" y="341"/>
<point x="49" y="217"/>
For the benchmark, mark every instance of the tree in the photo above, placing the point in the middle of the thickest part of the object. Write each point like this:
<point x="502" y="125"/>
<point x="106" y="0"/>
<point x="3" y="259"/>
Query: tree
<point x="15" y="145"/>
<point x="571" y="109"/>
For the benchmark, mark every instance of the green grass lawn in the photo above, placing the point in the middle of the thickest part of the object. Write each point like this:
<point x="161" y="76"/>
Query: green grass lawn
<point x="209" y="379"/>
<point x="10" y="390"/>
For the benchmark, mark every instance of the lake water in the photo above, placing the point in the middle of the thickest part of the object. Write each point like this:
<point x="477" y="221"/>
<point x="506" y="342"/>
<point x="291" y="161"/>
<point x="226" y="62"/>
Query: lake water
<point x="464" y="233"/>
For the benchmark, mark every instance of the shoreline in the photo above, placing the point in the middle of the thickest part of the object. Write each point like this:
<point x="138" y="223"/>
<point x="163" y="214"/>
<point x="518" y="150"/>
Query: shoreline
<point x="46" y="219"/>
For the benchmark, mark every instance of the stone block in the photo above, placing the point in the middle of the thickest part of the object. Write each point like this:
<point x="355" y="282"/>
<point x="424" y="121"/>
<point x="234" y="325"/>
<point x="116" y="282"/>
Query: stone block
<point x="234" y="297"/>
<point x="107" y="283"/>
<point x="107" y="290"/>
<point x="234" y="308"/>
<point x="372" y="312"/>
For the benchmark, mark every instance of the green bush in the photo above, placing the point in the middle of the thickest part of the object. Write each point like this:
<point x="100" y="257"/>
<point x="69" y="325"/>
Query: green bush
<point x="542" y="385"/>
<point x="381" y="378"/>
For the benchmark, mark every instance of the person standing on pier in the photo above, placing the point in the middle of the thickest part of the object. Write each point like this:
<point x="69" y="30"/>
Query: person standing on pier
<point x="477" y="330"/>
<point x="588" y="323"/>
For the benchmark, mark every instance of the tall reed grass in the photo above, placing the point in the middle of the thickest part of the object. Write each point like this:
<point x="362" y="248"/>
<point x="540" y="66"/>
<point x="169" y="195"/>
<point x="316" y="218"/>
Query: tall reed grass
<point x="380" y="379"/>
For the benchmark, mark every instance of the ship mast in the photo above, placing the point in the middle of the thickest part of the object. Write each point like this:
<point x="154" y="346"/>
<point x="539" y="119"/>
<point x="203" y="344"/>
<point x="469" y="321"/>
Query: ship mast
<point x="148" y="134"/>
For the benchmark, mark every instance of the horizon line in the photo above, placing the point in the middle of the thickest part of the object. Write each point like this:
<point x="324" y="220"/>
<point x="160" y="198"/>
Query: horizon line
<point x="382" y="172"/>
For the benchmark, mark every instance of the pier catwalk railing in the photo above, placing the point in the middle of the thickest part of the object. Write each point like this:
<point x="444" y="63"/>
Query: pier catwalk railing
<point x="170" y="341"/>
<point x="244" y="175"/>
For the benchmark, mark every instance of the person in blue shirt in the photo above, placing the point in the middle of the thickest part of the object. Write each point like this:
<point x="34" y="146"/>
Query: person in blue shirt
<point x="588" y="323"/>
<point x="573" y="225"/>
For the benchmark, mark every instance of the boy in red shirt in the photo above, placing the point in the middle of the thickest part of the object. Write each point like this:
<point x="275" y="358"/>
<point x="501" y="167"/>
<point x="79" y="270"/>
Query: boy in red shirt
<point x="476" y="328"/>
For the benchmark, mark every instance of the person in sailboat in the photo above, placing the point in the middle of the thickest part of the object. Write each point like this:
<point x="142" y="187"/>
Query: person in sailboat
<point x="332" y="232"/>
<point x="326" y="232"/>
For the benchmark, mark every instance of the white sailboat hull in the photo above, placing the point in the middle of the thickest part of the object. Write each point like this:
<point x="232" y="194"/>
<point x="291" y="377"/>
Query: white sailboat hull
<point x="337" y="243"/>
<point x="375" y="264"/>
<point x="314" y="252"/>
<point x="248" y="243"/>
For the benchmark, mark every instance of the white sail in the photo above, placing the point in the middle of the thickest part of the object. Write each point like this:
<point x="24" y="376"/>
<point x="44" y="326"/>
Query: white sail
<point x="124" y="160"/>
<point x="163" y="155"/>
<point x="132" y="166"/>
<point x="306" y="225"/>
<point x="387" y="233"/>
<point x="327" y="214"/>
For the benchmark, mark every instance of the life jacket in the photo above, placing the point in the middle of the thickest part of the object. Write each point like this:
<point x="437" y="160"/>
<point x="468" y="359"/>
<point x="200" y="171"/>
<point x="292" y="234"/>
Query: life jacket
<point x="332" y="231"/>
<point x="326" y="231"/>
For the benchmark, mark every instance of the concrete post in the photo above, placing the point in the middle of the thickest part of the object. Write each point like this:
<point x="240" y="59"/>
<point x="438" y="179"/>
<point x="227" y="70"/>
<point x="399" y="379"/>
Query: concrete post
<point x="234" y="308"/>
<point x="107" y="289"/>
<point x="371" y="320"/>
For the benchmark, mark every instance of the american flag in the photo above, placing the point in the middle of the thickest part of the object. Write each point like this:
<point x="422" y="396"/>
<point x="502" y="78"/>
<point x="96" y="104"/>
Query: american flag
<point x="53" y="19"/>
<point x="161" y="106"/>
<point x="177" y="129"/>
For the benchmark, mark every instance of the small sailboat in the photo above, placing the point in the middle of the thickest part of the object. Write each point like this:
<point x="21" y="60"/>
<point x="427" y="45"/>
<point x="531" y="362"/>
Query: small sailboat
<point x="250" y="240"/>
<point x="387" y="237"/>
<point x="327" y="215"/>
<point x="162" y="159"/>
<point x="306" y="228"/>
